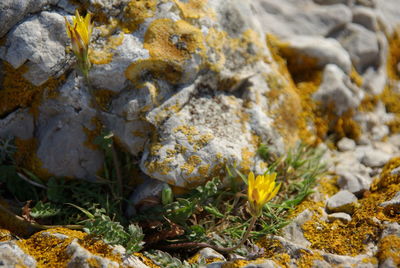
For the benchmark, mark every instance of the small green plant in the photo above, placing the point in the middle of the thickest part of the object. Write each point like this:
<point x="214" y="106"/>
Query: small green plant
<point x="165" y="260"/>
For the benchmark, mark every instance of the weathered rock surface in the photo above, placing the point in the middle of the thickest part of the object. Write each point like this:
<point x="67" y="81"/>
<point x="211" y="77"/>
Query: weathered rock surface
<point x="11" y="255"/>
<point x="343" y="201"/>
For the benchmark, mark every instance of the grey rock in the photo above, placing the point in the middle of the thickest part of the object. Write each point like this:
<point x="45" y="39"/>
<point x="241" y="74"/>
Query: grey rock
<point x="365" y="17"/>
<point x="374" y="80"/>
<point x="395" y="171"/>
<point x="346" y="144"/>
<point x="366" y="3"/>
<point x="390" y="228"/>
<point x="43" y="50"/>
<point x="347" y="261"/>
<point x="324" y="50"/>
<point x="389" y="14"/>
<point x="294" y="232"/>
<point x="354" y="182"/>
<point x="361" y="44"/>
<point x="336" y="88"/>
<point x="17" y="124"/>
<point x="343" y="201"/>
<point x="63" y="145"/>
<point x="394" y="139"/>
<point x="333" y="2"/>
<point x="375" y="158"/>
<point x="149" y="188"/>
<point x="379" y="132"/>
<point x="287" y="18"/>
<point x="209" y="253"/>
<point x="12" y="11"/>
<point x="80" y="257"/>
<point x="109" y="7"/>
<point x="262" y="264"/>
<point x="388" y="263"/>
<point x="344" y="217"/>
<point x="124" y="55"/>
<point x="11" y="255"/>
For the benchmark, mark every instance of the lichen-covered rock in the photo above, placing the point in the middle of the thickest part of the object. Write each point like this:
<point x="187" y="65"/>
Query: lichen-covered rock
<point x="17" y="124"/>
<point x="343" y="217"/>
<point x="293" y="231"/>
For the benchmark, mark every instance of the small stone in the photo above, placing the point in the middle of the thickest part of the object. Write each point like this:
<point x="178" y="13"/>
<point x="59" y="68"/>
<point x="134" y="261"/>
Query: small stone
<point x="337" y="88"/>
<point x="379" y="132"/>
<point x="209" y="253"/>
<point x="343" y="201"/>
<point x="262" y="264"/>
<point x="344" y="217"/>
<point x="354" y="182"/>
<point x="346" y="144"/>
<point x="11" y="255"/>
<point x="365" y="17"/>
<point x="375" y="158"/>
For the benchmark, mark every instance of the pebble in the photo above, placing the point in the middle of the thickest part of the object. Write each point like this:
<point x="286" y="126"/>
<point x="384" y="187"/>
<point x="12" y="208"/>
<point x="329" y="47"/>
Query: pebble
<point x="344" y="217"/>
<point x="346" y="144"/>
<point x="343" y="201"/>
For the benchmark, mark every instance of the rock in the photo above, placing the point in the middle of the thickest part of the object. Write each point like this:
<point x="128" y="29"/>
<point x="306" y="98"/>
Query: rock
<point x="11" y="255"/>
<point x="354" y="182"/>
<point x="374" y="80"/>
<point x="361" y="44"/>
<point x="343" y="217"/>
<point x="43" y="50"/>
<point x="81" y="257"/>
<point x="17" y="124"/>
<point x="349" y="261"/>
<point x="12" y="11"/>
<point x="262" y="264"/>
<point x="365" y="17"/>
<point x="336" y="88"/>
<point x="379" y="132"/>
<point x="209" y="254"/>
<point x="375" y="158"/>
<point x="324" y="50"/>
<point x="149" y="188"/>
<point x="343" y="201"/>
<point x="333" y="2"/>
<point x="391" y="228"/>
<point x="346" y="144"/>
<point x="293" y="232"/>
<point x="117" y="60"/>
<point x="65" y="122"/>
<point x="287" y="18"/>
<point x="389" y="15"/>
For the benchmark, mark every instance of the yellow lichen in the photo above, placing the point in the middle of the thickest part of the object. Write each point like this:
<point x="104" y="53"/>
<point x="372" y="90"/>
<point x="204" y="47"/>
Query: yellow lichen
<point x="5" y="235"/>
<point x="146" y="260"/>
<point x="105" y="54"/>
<point x="191" y="163"/>
<point x="50" y="251"/>
<point x="103" y="97"/>
<point x="389" y="248"/>
<point x="17" y="92"/>
<point x="203" y="170"/>
<point x="193" y="9"/>
<point x="135" y="13"/>
<point x="172" y="41"/>
<point x="387" y="177"/>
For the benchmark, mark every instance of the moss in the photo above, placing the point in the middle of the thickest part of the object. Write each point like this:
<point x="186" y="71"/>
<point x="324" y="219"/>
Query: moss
<point x="135" y="13"/>
<point x="18" y="92"/>
<point x="389" y="248"/>
<point x="103" y="98"/>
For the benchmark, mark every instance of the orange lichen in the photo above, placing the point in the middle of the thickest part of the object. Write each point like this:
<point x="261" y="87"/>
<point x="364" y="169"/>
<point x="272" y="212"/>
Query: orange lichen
<point x="135" y="13"/>
<point x="393" y="57"/>
<point x="327" y="186"/>
<point x="146" y="260"/>
<point x="105" y="54"/>
<point x="103" y="97"/>
<point x="193" y="9"/>
<point x="18" y="92"/>
<point x="389" y="248"/>
<point x="172" y="41"/>
<point x="93" y="133"/>
<point x="355" y="77"/>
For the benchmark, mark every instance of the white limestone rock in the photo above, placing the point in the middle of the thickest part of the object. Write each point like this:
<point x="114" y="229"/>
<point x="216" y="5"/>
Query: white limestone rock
<point x="294" y="232"/>
<point x="39" y="42"/>
<point x="11" y="255"/>
<point x="366" y="17"/>
<point x="343" y="201"/>
<point x="354" y="182"/>
<point x="343" y="217"/>
<point x="346" y="144"/>
<point x="336" y="88"/>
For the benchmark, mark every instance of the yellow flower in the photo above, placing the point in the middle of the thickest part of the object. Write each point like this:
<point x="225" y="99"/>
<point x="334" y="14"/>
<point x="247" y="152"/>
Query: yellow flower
<point x="79" y="33"/>
<point x="261" y="190"/>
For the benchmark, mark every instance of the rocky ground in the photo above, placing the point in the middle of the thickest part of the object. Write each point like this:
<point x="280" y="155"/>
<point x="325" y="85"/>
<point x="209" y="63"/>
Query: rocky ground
<point x="188" y="87"/>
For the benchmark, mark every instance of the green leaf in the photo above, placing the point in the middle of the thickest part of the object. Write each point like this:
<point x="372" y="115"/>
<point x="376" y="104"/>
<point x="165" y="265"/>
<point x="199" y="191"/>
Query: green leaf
<point x="45" y="210"/>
